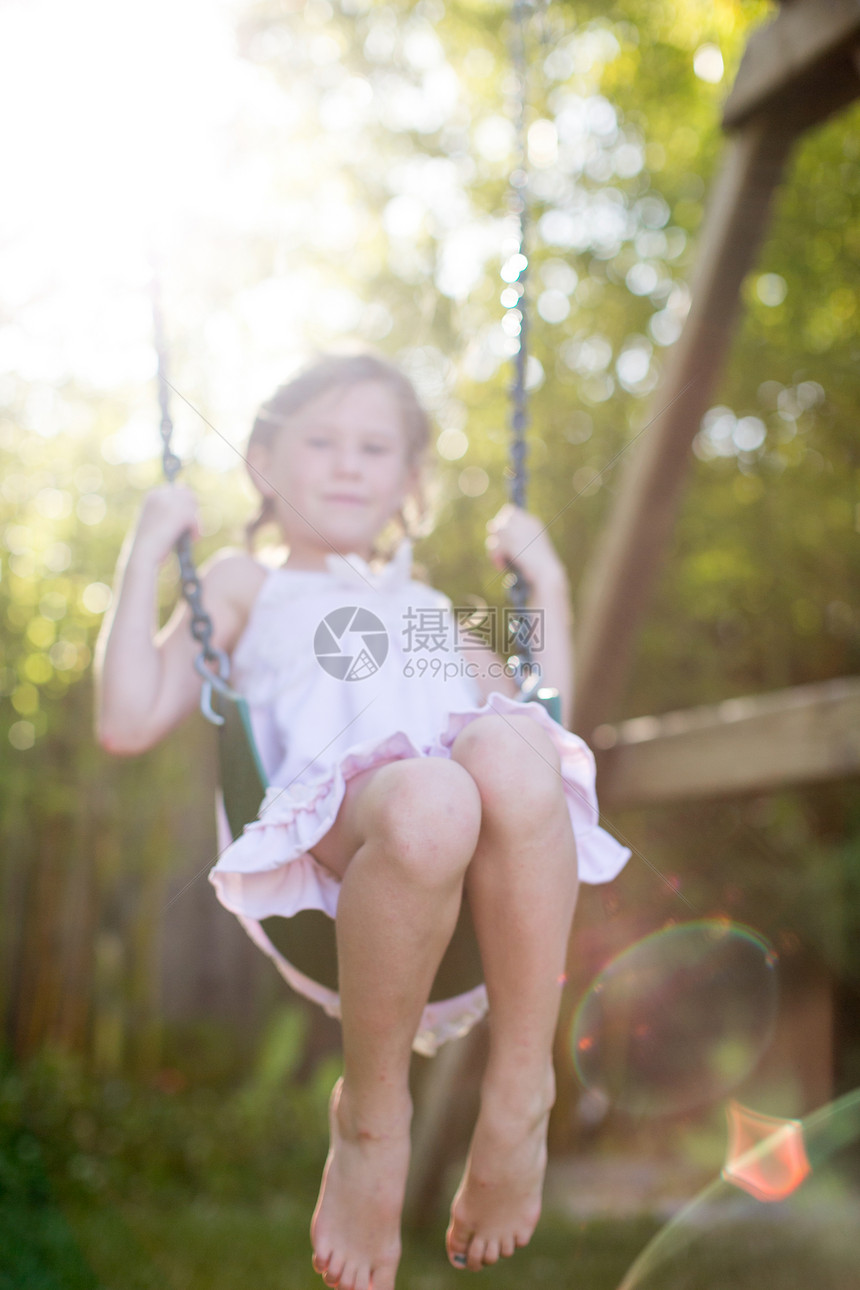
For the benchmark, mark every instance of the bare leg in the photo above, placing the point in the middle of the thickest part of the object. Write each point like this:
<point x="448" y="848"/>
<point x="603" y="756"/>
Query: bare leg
<point x="522" y="886"/>
<point x="410" y="829"/>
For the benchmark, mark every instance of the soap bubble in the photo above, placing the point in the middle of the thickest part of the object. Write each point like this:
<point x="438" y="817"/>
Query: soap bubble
<point x="679" y="1019"/>
<point x="783" y="1216"/>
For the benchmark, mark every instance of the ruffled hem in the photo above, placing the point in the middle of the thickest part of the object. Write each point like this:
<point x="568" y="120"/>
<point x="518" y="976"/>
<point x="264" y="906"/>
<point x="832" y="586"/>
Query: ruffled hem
<point x="268" y="870"/>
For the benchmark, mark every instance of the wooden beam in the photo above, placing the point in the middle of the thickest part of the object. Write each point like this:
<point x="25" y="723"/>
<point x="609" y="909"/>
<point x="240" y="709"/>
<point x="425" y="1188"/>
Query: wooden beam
<point x="618" y="580"/>
<point x="769" y="741"/>
<point x="801" y="63"/>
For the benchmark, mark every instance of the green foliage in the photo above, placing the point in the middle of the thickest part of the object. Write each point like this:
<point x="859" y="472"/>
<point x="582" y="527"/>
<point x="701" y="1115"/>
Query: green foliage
<point x="63" y="1132"/>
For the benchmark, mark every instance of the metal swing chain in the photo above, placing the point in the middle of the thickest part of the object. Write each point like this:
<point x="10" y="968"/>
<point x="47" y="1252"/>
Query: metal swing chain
<point x="202" y="627"/>
<point x="518" y="591"/>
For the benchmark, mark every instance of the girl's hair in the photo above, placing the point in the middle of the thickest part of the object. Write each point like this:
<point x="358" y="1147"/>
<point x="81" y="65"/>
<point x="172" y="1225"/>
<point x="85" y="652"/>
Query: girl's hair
<point x="340" y="371"/>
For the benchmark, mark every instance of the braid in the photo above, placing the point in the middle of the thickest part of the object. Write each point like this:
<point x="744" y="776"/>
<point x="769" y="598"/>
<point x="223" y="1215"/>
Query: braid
<point x="265" y="515"/>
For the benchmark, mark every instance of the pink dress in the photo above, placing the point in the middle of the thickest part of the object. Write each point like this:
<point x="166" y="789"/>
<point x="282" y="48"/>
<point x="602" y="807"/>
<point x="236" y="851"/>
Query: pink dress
<point x="343" y="670"/>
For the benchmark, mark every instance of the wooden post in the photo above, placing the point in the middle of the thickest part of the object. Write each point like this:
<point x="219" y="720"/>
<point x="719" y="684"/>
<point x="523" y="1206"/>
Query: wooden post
<point x="617" y="584"/>
<point x="796" y="71"/>
<point x="802" y="65"/>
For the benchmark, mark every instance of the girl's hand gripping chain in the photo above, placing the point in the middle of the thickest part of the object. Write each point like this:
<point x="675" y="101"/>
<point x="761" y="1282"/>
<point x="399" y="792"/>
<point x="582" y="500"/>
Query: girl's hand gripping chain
<point x="516" y="537"/>
<point x="145" y="678"/>
<point x="167" y="513"/>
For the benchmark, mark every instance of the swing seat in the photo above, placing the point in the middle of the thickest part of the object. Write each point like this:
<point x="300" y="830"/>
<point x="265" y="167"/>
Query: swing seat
<point x="307" y="940"/>
<point x="241" y="774"/>
<point x="549" y="699"/>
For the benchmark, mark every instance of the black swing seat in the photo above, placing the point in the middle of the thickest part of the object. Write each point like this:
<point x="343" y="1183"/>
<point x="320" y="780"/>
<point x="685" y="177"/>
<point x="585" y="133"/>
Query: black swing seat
<point x="307" y="940"/>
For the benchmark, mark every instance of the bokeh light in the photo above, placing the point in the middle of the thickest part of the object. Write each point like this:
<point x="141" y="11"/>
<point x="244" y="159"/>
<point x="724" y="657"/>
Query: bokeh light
<point x="679" y="1019"/>
<point x="708" y="63"/>
<point x="771" y="289"/>
<point x="473" y="481"/>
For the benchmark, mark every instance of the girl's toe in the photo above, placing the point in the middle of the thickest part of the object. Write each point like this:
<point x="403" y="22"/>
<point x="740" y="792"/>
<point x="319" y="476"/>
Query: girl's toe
<point x="347" y="1278"/>
<point x="457" y="1241"/>
<point x="491" y="1253"/>
<point x="334" y="1272"/>
<point x="475" y="1260"/>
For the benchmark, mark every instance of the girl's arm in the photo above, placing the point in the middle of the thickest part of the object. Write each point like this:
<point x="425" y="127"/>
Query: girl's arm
<point x="517" y="537"/>
<point x="145" y="679"/>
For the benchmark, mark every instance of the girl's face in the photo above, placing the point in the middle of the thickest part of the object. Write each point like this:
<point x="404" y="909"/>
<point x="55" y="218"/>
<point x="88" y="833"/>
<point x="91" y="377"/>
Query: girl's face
<point x="337" y="471"/>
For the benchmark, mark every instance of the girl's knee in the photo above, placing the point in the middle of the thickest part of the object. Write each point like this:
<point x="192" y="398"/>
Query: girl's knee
<point x="427" y="815"/>
<point x="509" y="759"/>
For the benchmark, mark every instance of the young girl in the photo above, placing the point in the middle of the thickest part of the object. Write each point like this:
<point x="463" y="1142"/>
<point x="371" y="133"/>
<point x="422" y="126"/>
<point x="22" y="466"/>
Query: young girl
<point x="396" y="788"/>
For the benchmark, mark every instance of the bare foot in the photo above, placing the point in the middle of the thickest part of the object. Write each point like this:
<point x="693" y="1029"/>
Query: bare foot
<point x="498" y="1202"/>
<point x="355" y="1229"/>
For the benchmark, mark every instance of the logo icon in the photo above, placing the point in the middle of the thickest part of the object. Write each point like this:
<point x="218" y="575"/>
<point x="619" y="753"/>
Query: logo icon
<point x="351" y="643"/>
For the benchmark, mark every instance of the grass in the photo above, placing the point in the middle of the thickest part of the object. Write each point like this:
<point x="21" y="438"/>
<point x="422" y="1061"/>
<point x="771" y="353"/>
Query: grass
<point x="118" y="1188"/>
<point x="203" y="1243"/>
<point x="207" y="1245"/>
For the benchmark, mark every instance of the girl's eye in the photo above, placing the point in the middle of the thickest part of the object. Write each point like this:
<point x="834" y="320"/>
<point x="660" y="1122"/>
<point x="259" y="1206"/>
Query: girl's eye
<point x="376" y="448"/>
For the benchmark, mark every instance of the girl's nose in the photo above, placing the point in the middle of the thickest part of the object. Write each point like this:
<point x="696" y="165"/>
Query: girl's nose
<point x="347" y="460"/>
